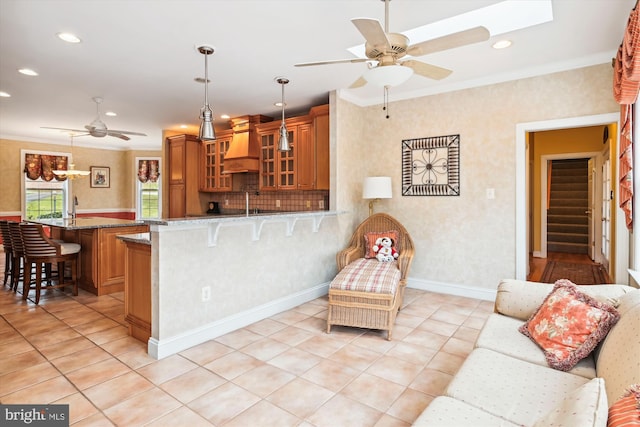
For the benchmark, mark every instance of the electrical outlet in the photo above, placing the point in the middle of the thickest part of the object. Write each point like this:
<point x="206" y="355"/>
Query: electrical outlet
<point x="206" y="293"/>
<point x="491" y="193"/>
<point x="226" y="202"/>
<point x="277" y="203"/>
<point x="308" y="203"/>
<point x="320" y="204"/>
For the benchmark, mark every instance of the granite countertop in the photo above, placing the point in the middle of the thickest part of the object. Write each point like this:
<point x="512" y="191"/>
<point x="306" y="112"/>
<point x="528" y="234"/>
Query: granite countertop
<point x="87" y="222"/>
<point x="144" y="238"/>
<point x="239" y="217"/>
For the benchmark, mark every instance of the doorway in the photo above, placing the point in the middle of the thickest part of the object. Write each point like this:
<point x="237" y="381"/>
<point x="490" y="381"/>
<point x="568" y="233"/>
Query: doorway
<point x="524" y="220"/>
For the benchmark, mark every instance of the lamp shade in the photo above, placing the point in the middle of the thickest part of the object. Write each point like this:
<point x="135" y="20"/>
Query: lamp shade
<point x="377" y="187"/>
<point x="388" y="75"/>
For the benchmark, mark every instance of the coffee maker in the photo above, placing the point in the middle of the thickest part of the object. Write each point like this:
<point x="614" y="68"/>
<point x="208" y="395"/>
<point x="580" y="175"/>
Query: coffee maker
<point x="214" y="208"/>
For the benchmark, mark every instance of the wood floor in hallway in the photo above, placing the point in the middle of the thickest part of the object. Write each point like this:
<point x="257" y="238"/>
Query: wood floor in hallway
<point x="537" y="265"/>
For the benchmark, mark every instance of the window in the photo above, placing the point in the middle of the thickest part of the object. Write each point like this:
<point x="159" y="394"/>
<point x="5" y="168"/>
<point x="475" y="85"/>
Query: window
<point x="148" y="188"/>
<point x="44" y="199"/>
<point x="40" y="198"/>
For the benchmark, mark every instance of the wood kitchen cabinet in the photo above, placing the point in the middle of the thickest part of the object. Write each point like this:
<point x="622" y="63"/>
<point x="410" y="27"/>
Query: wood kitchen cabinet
<point x="184" y="165"/>
<point x="102" y="254"/>
<point x="306" y="165"/>
<point x="137" y="294"/>
<point x="213" y="177"/>
<point x="320" y="120"/>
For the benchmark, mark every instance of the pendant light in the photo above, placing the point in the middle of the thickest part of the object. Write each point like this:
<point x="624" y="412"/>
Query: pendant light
<point x="283" y="140"/>
<point x="206" y="115"/>
<point x="71" y="173"/>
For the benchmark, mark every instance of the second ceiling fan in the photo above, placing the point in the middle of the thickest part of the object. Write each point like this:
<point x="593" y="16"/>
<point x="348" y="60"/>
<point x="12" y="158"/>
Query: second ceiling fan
<point x="98" y="128"/>
<point x="387" y="49"/>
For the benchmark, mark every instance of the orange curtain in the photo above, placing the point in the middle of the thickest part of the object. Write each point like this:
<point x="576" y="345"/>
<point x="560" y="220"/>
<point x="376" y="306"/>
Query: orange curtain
<point x="148" y="170"/>
<point x="626" y="85"/>
<point x="42" y="166"/>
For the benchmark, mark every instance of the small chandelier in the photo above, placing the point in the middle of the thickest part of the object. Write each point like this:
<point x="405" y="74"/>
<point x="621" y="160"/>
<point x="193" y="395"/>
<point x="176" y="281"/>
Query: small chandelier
<point x="206" y="115"/>
<point x="283" y="140"/>
<point x="71" y="173"/>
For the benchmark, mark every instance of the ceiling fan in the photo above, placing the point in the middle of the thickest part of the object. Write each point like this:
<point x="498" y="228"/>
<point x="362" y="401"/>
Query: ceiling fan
<point x="387" y="49"/>
<point x="98" y="129"/>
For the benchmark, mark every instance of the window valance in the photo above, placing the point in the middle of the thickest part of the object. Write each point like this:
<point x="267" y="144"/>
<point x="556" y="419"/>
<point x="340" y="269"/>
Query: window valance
<point x="42" y="166"/>
<point x="626" y="85"/>
<point x="148" y="170"/>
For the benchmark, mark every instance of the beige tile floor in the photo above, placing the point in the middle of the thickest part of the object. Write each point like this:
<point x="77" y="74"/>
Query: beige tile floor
<point x="281" y="371"/>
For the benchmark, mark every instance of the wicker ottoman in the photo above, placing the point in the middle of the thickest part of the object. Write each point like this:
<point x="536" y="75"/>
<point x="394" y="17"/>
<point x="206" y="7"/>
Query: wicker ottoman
<point x="366" y="293"/>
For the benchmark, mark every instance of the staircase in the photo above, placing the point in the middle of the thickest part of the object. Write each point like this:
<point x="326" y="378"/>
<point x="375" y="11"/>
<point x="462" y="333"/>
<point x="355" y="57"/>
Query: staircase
<point x="567" y="221"/>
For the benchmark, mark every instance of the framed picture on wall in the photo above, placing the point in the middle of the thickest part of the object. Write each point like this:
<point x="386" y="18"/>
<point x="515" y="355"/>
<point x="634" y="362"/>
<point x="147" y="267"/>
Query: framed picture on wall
<point x="100" y="177"/>
<point x="431" y="166"/>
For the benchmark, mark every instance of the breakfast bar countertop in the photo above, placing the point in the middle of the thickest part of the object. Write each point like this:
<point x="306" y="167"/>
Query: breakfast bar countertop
<point x="143" y="238"/>
<point x="87" y="222"/>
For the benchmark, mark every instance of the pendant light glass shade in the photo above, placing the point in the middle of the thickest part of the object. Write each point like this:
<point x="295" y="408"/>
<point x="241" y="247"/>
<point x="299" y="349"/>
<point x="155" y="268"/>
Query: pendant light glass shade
<point x="283" y="139"/>
<point x="71" y="173"/>
<point x="207" y="132"/>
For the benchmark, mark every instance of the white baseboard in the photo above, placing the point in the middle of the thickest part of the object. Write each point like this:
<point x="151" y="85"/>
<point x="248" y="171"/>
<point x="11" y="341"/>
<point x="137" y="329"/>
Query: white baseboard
<point x="538" y="254"/>
<point x="453" y="289"/>
<point x="162" y="348"/>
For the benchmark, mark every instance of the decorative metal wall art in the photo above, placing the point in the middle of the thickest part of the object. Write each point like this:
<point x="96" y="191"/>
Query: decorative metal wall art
<point x="431" y="166"/>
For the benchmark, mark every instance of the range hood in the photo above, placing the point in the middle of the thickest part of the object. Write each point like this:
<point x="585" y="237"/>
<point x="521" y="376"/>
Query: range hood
<point x="243" y="155"/>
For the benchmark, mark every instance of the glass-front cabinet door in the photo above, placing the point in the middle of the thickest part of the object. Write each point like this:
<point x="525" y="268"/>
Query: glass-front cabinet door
<point x="213" y="176"/>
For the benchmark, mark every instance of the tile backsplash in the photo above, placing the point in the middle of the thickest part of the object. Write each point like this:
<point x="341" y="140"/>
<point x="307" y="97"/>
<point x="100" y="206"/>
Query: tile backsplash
<point x="285" y="201"/>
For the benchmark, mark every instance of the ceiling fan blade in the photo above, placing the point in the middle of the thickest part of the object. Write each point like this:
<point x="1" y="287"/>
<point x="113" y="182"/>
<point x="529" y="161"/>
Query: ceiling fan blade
<point x="65" y="129"/>
<point x="427" y="70"/>
<point x="461" y="38"/>
<point x="358" y="83"/>
<point x="126" y="132"/>
<point x="334" y="61"/>
<point x="372" y="31"/>
<point x="117" y="134"/>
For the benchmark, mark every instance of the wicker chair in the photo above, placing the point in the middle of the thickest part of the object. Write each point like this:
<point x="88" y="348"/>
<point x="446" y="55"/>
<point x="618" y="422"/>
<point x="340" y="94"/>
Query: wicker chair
<point x="40" y="250"/>
<point x="366" y="308"/>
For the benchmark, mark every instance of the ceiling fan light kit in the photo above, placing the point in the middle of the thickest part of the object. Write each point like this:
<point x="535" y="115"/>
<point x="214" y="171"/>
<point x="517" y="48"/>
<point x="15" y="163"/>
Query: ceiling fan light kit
<point x="390" y="75"/>
<point x="207" y="132"/>
<point x="283" y="140"/>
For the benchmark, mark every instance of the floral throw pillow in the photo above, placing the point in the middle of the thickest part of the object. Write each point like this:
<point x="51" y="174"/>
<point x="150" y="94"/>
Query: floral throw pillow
<point x="371" y="237"/>
<point x="568" y="325"/>
<point x="626" y="411"/>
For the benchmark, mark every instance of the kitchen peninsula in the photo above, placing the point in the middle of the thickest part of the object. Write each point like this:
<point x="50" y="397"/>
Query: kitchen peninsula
<point x="213" y="275"/>
<point x="102" y="255"/>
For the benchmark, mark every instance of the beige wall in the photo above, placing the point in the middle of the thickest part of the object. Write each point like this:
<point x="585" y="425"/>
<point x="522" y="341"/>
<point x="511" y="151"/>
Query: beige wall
<point x="119" y="196"/>
<point x="469" y="240"/>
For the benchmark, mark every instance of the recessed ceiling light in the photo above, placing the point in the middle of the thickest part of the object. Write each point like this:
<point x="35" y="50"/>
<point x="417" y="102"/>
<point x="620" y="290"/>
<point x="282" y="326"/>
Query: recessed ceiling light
<point x="502" y="44"/>
<point x="68" y="37"/>
<point x="225" y="116"/>
<point x="4" y="95"/>
<point x="27" y="72"/>
<point x="279" y="104"/>
<point x="110" y="113"/>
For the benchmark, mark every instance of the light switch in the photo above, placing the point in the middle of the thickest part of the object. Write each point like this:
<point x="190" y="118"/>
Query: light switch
<point x="491" y="193"/>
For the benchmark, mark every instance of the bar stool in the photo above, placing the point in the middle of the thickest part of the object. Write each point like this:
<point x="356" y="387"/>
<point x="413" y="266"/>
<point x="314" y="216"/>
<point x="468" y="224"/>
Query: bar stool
<point x="8" y="251"/>
<point x="40" y="250"/>
<point x="17" y="252"/>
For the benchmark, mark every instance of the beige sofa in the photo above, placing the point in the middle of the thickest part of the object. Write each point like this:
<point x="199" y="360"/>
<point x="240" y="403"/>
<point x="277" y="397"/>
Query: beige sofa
<point x="506" y="381"/>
